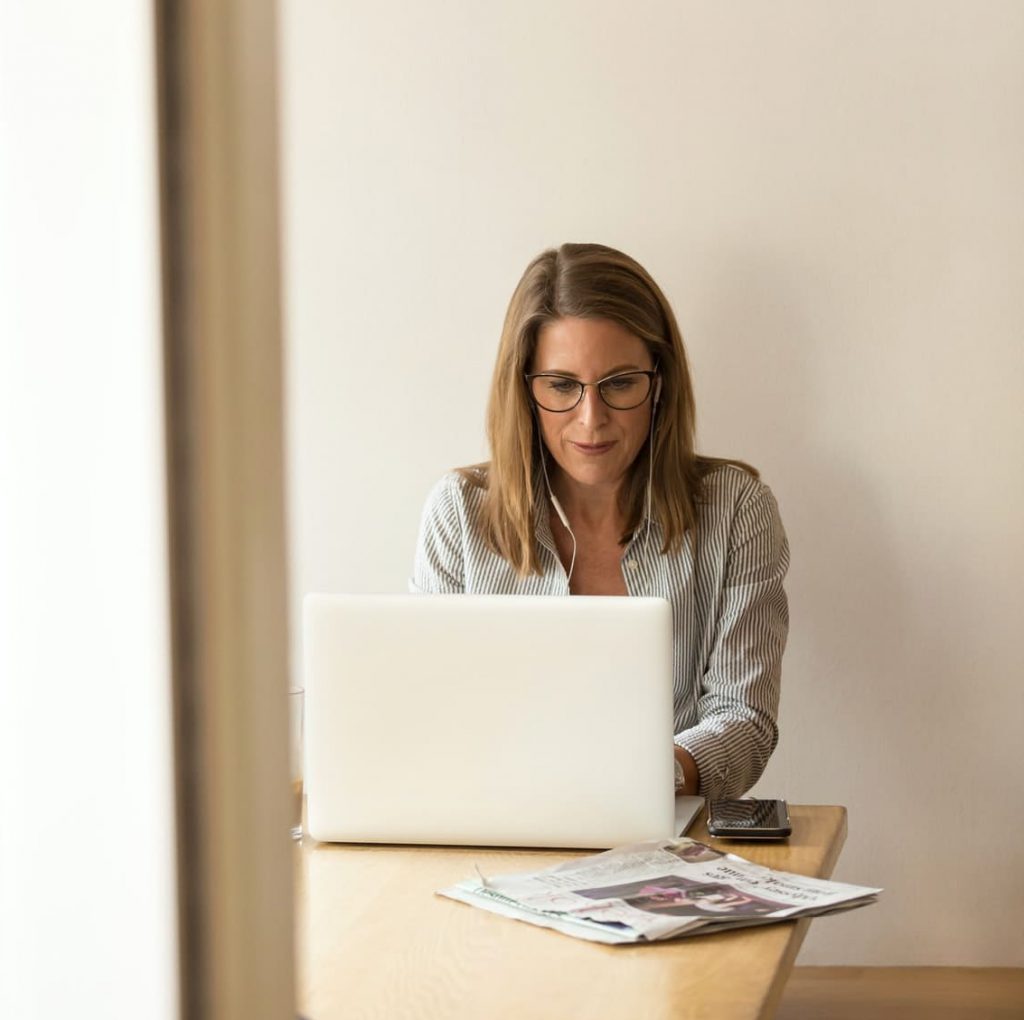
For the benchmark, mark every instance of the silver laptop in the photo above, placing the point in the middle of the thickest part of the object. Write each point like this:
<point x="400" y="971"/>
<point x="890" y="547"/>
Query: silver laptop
<point x="490" y="720"/>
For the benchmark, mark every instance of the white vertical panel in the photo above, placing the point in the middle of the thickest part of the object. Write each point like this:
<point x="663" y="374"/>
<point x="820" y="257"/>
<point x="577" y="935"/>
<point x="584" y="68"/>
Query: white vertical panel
<point x="87" y="888"/>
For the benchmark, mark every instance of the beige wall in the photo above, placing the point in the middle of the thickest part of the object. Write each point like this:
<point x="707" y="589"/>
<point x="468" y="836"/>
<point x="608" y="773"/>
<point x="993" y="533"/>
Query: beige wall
<point x="830" y="194"/>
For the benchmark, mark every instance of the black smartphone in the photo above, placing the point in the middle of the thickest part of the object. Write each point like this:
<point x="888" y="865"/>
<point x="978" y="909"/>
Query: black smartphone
<point x="749" y="819"/>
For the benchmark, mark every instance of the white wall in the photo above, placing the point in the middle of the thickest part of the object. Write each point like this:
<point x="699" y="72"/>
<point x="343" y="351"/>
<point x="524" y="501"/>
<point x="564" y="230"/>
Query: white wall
<point x="831" y="196"/>
<point x="87" y="890"/>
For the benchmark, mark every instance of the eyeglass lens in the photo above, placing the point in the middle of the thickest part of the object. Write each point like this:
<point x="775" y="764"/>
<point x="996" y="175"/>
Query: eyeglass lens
<point x="620" y="392"/>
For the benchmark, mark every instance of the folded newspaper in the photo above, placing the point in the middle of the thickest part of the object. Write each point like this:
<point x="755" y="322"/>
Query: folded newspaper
<point x="662" y="889"/>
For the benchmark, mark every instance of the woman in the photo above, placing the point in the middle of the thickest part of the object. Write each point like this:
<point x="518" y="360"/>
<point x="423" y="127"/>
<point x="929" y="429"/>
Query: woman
<point x="591" y="415"/>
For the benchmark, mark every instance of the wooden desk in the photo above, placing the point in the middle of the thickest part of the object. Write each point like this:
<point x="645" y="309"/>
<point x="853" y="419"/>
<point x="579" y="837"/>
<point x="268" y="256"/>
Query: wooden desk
<point x="374" y="941"/>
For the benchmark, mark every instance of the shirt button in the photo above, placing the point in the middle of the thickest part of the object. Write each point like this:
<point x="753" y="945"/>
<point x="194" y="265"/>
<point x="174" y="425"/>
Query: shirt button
<point x="632" y="564"/>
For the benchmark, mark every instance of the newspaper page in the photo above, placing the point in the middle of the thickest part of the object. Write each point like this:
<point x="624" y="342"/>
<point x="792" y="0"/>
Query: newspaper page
<point x="657" y="890"/>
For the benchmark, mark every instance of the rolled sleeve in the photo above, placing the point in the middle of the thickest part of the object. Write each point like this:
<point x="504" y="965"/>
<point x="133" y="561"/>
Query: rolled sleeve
<point x="737" y="710"/>
<point x="438" y="566"/>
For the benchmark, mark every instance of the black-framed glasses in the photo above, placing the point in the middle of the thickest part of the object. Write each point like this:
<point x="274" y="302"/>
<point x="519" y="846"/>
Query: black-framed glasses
<point x="559" y="393"/>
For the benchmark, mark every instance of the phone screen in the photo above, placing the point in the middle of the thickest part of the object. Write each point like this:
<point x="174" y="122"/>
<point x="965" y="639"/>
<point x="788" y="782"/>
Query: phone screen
<point x="749" y="814"/>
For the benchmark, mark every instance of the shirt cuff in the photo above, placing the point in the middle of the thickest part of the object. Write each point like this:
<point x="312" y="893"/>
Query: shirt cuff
<point x="712" y="762"/>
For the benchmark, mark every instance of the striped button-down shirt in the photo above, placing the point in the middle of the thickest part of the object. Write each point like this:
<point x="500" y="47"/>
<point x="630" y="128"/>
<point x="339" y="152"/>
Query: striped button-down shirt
<point x="729" y="608"/>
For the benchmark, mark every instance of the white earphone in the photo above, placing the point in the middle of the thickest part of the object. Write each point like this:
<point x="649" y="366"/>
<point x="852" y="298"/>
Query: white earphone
<point x="561" y="516"/>
<point x="558" y="506"/>
<point x="650" y="461"/>
<point x="554" y="502"/>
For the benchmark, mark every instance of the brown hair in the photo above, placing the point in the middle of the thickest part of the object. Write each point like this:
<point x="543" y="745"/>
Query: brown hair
<point x="587" y="281"/>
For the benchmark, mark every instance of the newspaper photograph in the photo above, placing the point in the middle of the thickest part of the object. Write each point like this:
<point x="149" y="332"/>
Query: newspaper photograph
<point x="657" y="890"/>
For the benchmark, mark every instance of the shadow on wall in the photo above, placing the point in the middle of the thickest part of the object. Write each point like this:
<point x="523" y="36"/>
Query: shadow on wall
<point x="870" y="680"/>
<point x="885" y="672"/>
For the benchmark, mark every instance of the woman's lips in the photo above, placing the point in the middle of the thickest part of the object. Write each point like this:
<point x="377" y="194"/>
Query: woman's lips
<point x="593" y="449"/>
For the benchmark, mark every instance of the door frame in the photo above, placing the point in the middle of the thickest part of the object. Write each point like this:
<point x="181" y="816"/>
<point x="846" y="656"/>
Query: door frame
<point x="219" y="196"/>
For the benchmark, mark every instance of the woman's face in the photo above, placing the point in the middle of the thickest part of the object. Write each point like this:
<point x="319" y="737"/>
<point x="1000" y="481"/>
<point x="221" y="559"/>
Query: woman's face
<point x="593" y="444"/>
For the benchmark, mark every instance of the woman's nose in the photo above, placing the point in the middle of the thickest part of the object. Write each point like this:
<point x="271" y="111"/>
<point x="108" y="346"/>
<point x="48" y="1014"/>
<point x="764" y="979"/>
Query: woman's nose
<point x="592" y="409"/>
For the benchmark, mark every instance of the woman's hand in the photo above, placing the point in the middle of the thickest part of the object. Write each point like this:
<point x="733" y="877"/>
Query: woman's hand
<point x="691" y="776"/>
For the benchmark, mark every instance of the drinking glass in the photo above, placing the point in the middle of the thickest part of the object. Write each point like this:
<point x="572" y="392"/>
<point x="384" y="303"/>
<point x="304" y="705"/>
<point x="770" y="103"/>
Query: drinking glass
<point x="296" y="700"/>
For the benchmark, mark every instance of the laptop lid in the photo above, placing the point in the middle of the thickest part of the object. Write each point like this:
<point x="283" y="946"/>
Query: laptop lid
<point x="488" y="720"/>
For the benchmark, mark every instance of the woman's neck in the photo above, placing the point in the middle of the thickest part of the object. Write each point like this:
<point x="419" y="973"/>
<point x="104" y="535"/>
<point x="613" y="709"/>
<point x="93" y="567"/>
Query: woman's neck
<point x="588" y="507"/>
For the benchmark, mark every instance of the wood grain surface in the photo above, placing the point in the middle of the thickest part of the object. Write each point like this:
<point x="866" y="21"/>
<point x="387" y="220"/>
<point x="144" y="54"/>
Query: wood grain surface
<point x="904" y="993"/>
<point x="374" y="941"/>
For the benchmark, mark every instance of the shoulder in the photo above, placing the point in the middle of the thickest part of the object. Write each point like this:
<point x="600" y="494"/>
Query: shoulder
<point x="739" y="517"/>
<point x="728" y="490"/>
<point x="456" y="494"/>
